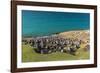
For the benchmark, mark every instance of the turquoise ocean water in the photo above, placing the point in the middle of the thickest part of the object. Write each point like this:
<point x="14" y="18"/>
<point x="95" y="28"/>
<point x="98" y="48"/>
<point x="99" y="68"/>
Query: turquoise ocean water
<point x="44" y="23"/>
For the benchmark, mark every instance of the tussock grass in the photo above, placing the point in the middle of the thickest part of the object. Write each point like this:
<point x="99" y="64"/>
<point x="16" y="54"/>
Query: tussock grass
<point x="29" y="55"/>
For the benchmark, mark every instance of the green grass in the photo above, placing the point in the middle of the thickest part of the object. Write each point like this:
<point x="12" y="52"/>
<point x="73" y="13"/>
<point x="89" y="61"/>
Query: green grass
<point x="29" y="55"/>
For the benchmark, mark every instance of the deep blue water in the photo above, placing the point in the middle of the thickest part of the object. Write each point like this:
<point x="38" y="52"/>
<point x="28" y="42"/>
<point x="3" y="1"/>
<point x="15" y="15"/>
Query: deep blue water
<point x="42" y="23"/>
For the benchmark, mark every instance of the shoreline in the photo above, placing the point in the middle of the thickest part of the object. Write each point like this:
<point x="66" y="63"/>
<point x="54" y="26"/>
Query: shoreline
<point x="87" y="30"/>
<point x="77" y="34"/>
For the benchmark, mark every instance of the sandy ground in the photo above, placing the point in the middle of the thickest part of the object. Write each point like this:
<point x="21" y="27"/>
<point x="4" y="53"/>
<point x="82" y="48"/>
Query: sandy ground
<point x="79" y="34"/>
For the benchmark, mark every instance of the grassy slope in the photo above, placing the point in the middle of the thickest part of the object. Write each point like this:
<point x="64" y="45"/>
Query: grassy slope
<point x="28" y="55"/>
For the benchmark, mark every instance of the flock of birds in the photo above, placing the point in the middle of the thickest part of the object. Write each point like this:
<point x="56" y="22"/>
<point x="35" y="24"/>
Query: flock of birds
<point x="47" y="45"/>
